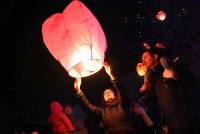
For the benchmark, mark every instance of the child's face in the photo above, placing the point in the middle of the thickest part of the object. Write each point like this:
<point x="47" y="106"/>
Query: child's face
<point x="108" y="94"/>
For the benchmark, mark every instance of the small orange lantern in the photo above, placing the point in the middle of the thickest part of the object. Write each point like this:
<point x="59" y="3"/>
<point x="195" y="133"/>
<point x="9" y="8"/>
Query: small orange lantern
<point x="141" y="69"/>
<point x="161" y="15"/>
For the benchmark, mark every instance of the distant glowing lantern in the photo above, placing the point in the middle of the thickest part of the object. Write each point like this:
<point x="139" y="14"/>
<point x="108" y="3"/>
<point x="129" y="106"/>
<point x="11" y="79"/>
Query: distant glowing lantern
<point x="161" y="15"/>
<point x="75" y="38"/>
<point x="141" y="69"/>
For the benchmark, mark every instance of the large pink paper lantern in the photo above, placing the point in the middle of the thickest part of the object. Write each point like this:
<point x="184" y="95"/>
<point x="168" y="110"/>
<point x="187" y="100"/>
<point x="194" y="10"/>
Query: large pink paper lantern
<point x="76" y="39"/>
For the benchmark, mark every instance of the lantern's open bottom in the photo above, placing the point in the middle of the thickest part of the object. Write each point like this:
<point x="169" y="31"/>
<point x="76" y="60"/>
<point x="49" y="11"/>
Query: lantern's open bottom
<point x="85" y="68"/>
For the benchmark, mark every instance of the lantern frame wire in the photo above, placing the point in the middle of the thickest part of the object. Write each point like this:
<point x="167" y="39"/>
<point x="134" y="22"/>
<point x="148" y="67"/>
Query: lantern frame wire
<point x="99" y="61"/>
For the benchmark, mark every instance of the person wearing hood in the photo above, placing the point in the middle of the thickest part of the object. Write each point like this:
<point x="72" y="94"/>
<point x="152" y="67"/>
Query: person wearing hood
<point x="113" y="115"/>
<point x="59" y="122"/>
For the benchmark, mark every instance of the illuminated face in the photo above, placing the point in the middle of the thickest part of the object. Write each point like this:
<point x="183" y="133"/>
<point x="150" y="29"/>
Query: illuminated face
<point x="149" y="60"/>
<point x="108" y="94"/>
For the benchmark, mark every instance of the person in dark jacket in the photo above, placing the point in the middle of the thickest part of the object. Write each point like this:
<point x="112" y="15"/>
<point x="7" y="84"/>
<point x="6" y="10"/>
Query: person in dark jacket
<point x="176" y="116"/>
<point x="114" y="119"/>
<point x="76" y="115"/>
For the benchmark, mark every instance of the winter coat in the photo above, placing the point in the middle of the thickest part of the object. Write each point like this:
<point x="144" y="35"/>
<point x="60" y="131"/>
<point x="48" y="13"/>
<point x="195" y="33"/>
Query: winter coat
<point x="58" y="121"/>
<point x="113" y="116"/>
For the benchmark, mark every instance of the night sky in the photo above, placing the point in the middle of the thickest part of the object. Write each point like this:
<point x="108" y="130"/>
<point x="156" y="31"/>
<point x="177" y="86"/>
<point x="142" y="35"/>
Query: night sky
<point x="32" y="77"/>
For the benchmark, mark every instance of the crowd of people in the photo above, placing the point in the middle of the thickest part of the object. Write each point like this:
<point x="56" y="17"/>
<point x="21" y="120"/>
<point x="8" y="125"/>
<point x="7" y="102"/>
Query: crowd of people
<point x="173" y="111"/>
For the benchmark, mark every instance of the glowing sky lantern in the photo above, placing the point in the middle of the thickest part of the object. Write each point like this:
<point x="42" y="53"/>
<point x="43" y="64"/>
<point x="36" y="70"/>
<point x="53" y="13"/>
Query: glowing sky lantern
<point x="76" y="39"/>
<point x="161" y="15"/>
<point x="141" y="69"/>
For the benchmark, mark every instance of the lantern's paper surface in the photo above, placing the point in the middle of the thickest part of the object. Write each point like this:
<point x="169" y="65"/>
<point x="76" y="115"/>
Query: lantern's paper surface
<point x="161" y="15"/>
<point x="75" y="38"/>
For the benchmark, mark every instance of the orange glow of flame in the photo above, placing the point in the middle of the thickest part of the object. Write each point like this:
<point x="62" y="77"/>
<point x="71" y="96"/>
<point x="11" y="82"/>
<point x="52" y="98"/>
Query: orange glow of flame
<point x="141" y="69"/>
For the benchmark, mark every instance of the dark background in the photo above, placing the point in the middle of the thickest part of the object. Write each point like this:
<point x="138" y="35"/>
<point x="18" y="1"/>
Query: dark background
<point x="31" y="77"/>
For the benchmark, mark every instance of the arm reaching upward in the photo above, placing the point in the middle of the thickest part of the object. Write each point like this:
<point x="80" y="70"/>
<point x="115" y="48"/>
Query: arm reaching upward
<point x="77" y="85"/>
<point x="108" y="70"/>
<point x="118" y="87"/>
<point x="81" y="95"/>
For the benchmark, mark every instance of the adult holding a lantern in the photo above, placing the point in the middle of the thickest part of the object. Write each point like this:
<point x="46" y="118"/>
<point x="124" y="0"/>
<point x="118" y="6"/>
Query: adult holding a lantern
<point x="160" y="77"/>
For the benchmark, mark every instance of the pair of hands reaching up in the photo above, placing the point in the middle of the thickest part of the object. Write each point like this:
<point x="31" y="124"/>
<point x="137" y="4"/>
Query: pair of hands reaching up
<point x="77" y="82"/>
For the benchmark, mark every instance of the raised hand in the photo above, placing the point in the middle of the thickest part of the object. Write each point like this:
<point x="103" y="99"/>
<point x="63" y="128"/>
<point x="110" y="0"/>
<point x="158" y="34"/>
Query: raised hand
<point x="137" y="109"/>
<point x="168" y="73"/>
<point x="108" y="70"/>
<point x="77" y="85"/>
